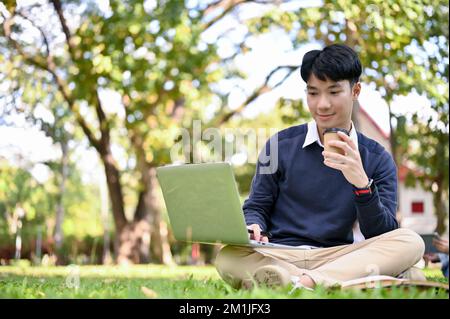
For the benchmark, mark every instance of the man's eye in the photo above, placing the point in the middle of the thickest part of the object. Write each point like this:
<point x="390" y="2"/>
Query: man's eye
<point x="335" y="92"/>
<point x="312" y="93"/>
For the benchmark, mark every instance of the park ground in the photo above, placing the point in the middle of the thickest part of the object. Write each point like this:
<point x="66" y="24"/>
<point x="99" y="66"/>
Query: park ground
<point x="157" y="281"/>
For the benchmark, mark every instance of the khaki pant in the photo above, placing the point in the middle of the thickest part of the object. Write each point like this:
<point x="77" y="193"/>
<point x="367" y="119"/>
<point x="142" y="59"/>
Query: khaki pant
<point x="388" y="254"/>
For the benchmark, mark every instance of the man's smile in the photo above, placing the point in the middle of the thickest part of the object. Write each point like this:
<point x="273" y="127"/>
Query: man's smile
<point x="325" y="116"/>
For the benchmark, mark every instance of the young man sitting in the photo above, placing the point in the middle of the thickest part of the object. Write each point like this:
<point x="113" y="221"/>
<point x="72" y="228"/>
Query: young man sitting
<point x="340" y="207"/>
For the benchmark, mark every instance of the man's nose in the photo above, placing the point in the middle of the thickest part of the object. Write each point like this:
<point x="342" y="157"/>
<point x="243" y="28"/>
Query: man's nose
<point x="323" y="103"/>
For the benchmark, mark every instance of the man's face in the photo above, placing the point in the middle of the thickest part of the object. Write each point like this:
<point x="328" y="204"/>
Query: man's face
<point x="331" y="103"/>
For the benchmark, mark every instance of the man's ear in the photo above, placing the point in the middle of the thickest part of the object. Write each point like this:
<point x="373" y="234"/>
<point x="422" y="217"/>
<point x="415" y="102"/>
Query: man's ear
<point x="356" y="90"/>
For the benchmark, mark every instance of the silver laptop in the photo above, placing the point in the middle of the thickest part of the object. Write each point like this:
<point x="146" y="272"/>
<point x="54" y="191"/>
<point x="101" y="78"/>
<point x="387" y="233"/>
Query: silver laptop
<point x="203" y="205"/>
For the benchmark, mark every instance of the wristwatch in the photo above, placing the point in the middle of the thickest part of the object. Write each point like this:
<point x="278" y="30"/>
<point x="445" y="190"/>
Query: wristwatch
<point x="369" y="189"/>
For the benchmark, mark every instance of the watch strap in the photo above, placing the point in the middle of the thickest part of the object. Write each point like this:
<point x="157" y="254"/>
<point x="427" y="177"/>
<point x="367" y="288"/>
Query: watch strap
<point x="365" y="190"/>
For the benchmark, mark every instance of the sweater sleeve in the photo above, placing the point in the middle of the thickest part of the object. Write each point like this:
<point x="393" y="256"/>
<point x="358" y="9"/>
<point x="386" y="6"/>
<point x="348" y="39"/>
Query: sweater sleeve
<point x="264" y="189"/>
<point x="377" y="212"/>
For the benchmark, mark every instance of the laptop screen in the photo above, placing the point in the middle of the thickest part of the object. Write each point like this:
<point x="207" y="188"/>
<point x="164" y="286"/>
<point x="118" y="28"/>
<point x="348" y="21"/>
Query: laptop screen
<point x="203" y="203"/>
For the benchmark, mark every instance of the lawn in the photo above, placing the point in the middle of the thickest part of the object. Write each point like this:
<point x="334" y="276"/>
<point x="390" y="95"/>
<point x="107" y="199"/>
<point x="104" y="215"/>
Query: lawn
<point x="155" y="281"/>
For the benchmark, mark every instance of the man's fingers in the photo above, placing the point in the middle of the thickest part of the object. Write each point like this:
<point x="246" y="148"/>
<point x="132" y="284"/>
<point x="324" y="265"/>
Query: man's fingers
<point x="347" y="138"/>
<point x="256" y="235"/>
<point x="338" y="166"/>
<point x="334" y="157"/>
<point x="342" y="145"/>
<point x="256" y="231"/>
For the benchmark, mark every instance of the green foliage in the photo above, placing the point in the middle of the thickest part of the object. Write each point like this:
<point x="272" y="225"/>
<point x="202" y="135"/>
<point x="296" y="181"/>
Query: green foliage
<point x="18" y="187"/>
<point x="394" y="41"/>
<point x="154" y="59"/>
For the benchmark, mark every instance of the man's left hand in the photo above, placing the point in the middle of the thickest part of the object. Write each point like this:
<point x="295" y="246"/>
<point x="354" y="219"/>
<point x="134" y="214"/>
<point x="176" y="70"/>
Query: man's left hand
<point x="441" y="245"/>
<point x="349" y="164"/>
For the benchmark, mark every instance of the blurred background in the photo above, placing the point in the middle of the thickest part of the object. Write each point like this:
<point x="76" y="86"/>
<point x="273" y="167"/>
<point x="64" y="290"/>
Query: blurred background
<point x="93" y="95"/>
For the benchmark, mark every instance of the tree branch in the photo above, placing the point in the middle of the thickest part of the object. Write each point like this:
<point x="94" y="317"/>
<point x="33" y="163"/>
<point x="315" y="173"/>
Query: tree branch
<point x="228" y="6"/>
<point x="210" y="7"/>
<point x="264" y="88"/>
<point x="58" y="8"/>
<point x="46" y="42"/>
<point x="242" y="49"/>
<point x="40" y="63"/>
<point x="103" y="121"/>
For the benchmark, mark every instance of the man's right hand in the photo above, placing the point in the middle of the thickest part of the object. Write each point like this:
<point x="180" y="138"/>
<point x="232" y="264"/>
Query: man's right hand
<point x="257" y="233"/>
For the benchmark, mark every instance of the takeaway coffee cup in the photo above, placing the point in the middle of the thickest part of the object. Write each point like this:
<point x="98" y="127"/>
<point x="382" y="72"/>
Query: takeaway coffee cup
<point x="331" y="134"/>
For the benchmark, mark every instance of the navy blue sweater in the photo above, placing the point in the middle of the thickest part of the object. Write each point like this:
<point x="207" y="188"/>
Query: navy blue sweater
<point x="304" y="202"/>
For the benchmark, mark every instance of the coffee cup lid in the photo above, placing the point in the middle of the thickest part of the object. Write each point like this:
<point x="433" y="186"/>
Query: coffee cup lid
<point x="335" y="130"/>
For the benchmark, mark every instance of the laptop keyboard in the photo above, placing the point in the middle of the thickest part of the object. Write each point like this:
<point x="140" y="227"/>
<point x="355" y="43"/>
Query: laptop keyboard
<point x="255" y="243"/>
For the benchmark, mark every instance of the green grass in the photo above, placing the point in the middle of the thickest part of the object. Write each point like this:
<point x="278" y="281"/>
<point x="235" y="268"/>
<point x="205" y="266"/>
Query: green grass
<point x="155" y="281"/>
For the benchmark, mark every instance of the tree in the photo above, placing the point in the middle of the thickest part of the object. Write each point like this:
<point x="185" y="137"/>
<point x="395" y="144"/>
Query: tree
<point x="155" y="59"/>
<point x="60" y="136"/>
<point x="19" y="196"/>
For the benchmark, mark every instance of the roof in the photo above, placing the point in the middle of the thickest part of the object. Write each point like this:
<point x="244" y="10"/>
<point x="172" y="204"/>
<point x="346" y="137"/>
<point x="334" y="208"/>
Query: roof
<point x="403" y="168"/>
<point x="385" y="135"/>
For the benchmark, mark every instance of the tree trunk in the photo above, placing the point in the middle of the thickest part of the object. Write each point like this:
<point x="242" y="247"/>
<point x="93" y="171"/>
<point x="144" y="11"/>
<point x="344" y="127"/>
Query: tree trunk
<point x="115" y="191"/>
<point x="439" y="206"/>
<point x="125" y="232"/>
<point x="149" y="211"/>
<point x="132" y="243"/>
<point x="148" y="208"/>
<point x="142" y="215"/>
<point x="160" y="247"/>
<point x="58" y="235"/>
<point x="132" y="238"/>
<point x="18" y="251"/>
<point x="104" y="212"/>
<point x="395" y="155"/>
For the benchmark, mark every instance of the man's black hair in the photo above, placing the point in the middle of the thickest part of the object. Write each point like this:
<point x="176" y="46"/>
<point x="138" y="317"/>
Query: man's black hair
<point x="335" y="62"/>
